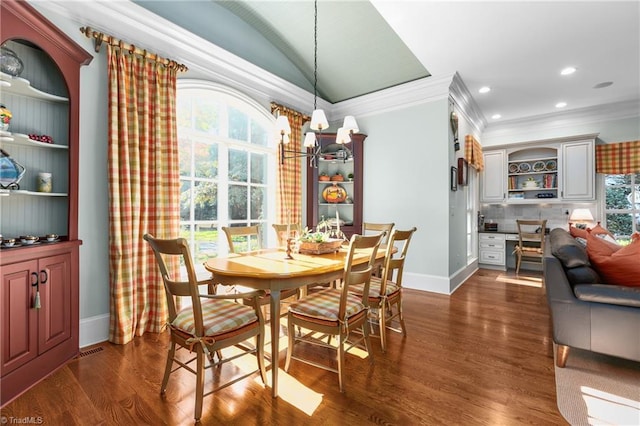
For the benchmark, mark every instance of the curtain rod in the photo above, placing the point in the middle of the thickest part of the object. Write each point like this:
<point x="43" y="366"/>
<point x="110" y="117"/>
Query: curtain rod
<point x="99" y="38"/>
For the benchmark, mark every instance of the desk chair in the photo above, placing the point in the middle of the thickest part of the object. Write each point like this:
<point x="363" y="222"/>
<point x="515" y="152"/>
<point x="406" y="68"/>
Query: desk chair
<point x="210" y="324"/>
<point x="336" y="311"/>
<point x="531" y="235"/>
<point x="385" y="292"/>
<point x="240" y="240"/>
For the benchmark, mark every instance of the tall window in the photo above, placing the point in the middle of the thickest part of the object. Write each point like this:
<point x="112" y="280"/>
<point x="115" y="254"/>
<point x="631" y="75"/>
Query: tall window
<point x="622" y="204"/>
<point x="472" y="215"/>
<point x="227" y="165"/>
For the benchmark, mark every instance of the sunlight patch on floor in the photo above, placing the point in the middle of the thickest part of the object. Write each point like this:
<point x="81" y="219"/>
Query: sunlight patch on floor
<point x="605" y="408"/>
<point x="295" y="393"/>
<point x="520" y="280"/>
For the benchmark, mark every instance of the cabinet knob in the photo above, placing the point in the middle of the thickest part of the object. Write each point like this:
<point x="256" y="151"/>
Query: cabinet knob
<point x="43" y="276"/>
<point x="34" y="279"/>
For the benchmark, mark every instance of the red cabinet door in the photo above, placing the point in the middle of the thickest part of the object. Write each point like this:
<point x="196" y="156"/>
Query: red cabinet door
<point x="54" y="316"/>
<point x="19" y="318"/>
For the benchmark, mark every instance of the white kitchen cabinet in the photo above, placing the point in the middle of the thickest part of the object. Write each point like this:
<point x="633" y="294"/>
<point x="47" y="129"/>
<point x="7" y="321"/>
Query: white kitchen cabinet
<point x="578" y="170"/>
<point x="494" y="177"/>
<point x="547" y="171"/>
<point x="492" y="250"/>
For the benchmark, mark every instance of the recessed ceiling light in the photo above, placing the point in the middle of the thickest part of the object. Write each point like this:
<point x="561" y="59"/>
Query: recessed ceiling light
<point x="561" y="104"/>
<point x="496" y="116"/>
<point x="484" y="89"/>
<point x="603" y="85"/>
<point x="568" y="71"/>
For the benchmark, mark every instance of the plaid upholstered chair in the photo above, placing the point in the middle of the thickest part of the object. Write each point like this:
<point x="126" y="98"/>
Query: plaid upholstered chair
<point x="336" y="311"/>
<point x="210" y="324"/>
<point x="247" y="238"/>
<point x="385" y="292"/>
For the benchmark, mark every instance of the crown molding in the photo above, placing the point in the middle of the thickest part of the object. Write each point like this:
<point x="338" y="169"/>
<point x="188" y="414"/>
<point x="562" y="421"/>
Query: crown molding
<point x="424" y="90"/>
<point x="467" y="106"/>
<point x="558" y="121"/>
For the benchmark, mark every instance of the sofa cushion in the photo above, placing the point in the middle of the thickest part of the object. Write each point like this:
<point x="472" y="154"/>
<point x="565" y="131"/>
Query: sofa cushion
<point x="600" y="230"/>
<point x="582" y="275"/>
<point x="612" y="294"/>
<point x="567" y="249"/>
<point x="619" y="267"/>
<point x="577" y="232"/>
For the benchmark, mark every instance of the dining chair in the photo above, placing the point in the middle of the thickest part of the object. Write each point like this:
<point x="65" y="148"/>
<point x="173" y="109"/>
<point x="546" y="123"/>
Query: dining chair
<point x="369" y="227"/>
<point x="385" y="292"/>
<point x="281" y="232"/>
<point x="336" y="311"/>
<point x="210" y="324"/>
<point x="240" y="240"/>
<point x="531" y="236"/>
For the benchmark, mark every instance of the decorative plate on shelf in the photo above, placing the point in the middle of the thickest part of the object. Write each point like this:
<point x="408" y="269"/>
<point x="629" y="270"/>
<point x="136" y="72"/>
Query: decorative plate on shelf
<point x="513" y="168"/>
<point x="334" y="194"/>
<point x="551" y="165"/>
<point x="538" y="166"/>
<point x="524" y="168"/>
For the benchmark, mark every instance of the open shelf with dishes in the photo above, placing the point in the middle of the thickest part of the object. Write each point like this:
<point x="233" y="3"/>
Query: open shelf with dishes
<point x="532" y="174"/>
<point x="334" y="187"/>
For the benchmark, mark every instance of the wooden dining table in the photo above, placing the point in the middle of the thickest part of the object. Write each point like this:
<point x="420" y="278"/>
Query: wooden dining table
<point x="270" y="269"/>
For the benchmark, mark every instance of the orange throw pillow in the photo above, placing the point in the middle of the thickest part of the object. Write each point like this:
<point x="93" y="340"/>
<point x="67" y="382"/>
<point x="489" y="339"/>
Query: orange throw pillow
<point x="621" y="266"/>
<point x="577" y="232"/>
<point x="599" y="229"/>
<point x="600" y="245"/>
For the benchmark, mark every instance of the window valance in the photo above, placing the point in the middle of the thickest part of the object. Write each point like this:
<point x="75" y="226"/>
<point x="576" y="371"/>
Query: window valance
<point x="473" y="152"/>
<point x="618" y="158"/>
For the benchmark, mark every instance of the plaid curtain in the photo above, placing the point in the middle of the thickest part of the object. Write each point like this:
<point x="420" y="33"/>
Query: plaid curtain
<point x="144" y="188"/>
<point x="473" y="152"/>
<point x="290" y="172"/>
<point x="618" y="158"/>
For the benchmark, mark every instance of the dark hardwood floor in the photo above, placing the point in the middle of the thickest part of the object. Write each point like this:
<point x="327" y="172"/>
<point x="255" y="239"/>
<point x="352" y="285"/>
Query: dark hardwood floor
<point x="482" y="356"/>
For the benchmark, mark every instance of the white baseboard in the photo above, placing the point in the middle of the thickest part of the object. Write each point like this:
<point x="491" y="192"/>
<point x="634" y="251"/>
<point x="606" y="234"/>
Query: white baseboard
<point x="432" y="283"/>
<point x="436" y="284"/>
<point x="94" y="330"/>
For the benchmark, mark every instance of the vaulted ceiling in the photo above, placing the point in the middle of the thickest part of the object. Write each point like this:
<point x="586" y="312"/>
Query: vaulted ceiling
<point x="516" y="48"/>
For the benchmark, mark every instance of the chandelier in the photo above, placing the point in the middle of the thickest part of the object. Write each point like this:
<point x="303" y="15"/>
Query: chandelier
<point x="318" y="118"/>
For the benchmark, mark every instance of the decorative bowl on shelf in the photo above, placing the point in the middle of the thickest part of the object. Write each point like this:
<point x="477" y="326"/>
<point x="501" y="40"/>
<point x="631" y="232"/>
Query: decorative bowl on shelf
<point x="5" y="118"/>
<point x="334" y="194"/>
<point x="513" y="168"/>
<point x="9" y="62"/>
<point x="530" y="184"/>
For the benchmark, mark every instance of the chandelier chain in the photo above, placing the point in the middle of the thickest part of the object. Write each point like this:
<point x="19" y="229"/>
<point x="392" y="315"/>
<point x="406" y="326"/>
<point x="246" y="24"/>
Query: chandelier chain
<point x="315" y="55"/>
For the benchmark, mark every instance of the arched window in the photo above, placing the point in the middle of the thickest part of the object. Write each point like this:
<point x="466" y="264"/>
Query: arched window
<point x="227" y="165"/>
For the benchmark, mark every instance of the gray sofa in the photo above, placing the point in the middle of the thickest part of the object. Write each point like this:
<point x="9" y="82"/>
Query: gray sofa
<point x="586" y="313"/>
